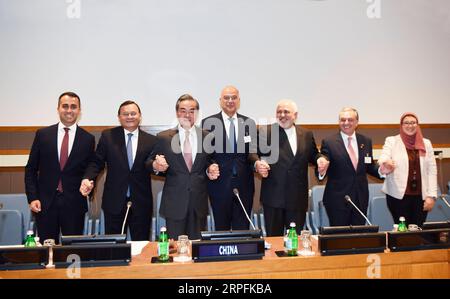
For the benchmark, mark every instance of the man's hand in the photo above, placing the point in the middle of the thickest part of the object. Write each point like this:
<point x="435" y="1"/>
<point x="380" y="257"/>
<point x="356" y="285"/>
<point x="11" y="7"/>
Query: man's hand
<point x="428" y="204"/>
<point x="263" y="168"/>
<point x="160" y="164"/>
<point x="322" y="165"/>
<point x="86" y="187"/>
<point x="35" y="206"/>
<point x="213" y="171"/>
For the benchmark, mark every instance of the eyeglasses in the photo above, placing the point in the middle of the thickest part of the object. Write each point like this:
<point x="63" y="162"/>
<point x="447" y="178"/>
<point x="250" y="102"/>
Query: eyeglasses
<point x="409" y="123"/>
<point x="230" y="98"/>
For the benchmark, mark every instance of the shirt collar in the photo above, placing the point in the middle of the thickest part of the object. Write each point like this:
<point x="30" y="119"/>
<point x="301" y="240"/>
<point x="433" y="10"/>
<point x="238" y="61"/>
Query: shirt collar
<point x="135" y="132"/>
<point x="226" y="117"/>
<point x="72" y="128"/>
<point x="345" y="136"/>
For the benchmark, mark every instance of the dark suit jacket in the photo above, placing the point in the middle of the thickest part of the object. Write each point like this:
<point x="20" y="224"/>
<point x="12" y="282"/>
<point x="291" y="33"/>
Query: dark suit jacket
<point x="342" y="177"/>
<point x="286" y="186"/>
<point x="245" y="158"/>
<point x="182" y="187"/>
<point x="42" y="172"/>
<point x="111" y="149"/>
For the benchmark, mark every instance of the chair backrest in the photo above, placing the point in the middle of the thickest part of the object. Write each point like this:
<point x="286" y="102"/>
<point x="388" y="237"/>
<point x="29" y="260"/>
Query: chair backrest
<point x="317" y="214"/>
<point x="19" y="203"/>
<point x="375" y="190"/>
<point x="379" y="214"/>
<point x="11" y="227"/>
<point x="440" y="211"/>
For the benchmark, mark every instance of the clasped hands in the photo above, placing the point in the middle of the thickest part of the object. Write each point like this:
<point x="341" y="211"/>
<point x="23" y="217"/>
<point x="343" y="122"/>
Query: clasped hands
<point x="160" y="164"/>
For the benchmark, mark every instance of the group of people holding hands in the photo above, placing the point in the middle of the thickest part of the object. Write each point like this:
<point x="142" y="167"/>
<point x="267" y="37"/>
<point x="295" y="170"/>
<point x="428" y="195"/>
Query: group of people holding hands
<point x="214" y="160"/>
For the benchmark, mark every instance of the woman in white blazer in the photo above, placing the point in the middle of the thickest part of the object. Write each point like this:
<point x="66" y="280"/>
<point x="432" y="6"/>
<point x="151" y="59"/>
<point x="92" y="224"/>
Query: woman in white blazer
<point x="411" y="174"/>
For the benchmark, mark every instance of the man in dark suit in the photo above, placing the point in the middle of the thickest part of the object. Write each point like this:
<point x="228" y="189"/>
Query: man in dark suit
<point x="186" y="166"/>
<point x="286" y="149"/>
<point x="351" y="159"/>
<point x="235" y="152"/>
<point x="124" y="150"/>
<point x="58" y="158"/>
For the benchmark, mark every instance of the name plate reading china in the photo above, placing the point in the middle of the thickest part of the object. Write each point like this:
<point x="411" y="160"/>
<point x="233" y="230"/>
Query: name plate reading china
<point x="227" y="250"/>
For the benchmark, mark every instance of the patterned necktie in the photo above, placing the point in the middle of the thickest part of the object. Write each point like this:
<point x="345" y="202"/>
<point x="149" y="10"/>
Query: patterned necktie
<point x="187" y="151"/>
<point x="63" y="155"/>
<point x="352" y="153"/>
<point x="129" y="156"/>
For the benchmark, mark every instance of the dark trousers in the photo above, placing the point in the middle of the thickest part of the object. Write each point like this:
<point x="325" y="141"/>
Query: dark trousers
<point x="59" y="218"/>
<point x="345" y="215"/>
<point x="138" y="221"/>
<point x="410" y="207"/>
<point x="228" y="212"/>
<point x="192" y="225"/>
<point x="278" y="220"/>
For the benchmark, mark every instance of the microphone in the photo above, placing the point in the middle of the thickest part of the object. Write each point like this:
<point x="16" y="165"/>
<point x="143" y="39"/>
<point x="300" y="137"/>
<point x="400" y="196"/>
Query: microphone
<point x="236" y="192"/>
<point x="347" y="198"/>
<point x="126" y="215"/>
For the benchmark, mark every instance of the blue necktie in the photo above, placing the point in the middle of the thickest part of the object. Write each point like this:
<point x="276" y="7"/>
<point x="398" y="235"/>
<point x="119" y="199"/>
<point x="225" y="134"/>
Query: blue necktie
<point x="232" y="143"/>
<point x="130" y="156"/>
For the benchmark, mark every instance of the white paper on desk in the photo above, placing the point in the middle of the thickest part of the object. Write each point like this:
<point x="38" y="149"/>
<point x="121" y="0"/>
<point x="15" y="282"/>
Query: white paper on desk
<point x="137" y="246"/>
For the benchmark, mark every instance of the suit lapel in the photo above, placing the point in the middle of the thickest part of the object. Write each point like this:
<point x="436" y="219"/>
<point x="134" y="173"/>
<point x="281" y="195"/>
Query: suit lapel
<point x="361" y="151"/>
<point x="119" y="137"/>
<point x="54" y="146"/>
<point x="300" y="143"/>
<point x="199" y="152"/>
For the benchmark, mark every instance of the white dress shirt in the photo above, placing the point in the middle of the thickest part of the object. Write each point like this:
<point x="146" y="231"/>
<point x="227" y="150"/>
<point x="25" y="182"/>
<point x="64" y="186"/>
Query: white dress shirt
<point x="61" y="133"/>
<point x="354" y="143"/>
<point x="192" y="139"/>
<point x="134" y="140"/>
<point x="227" y="124"/>
<point x="292" y="137"/>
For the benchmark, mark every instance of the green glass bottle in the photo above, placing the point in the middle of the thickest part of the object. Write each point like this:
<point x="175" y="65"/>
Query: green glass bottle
<point x="163" y="245"/>
<point x="29" y="240"/>
<point x="402" y="225"/>
<point x="292" y="241"/>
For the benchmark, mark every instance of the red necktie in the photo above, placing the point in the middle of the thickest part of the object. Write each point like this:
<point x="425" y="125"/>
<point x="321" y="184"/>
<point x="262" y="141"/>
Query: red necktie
<point x="187" y="151"/>
<point x="64" y="154"/>
<point x="352" y="153"/>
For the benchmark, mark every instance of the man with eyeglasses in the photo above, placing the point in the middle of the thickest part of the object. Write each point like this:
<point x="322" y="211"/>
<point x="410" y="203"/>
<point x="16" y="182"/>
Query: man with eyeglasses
<point x="181" y="158"/>
<point x="351" y="159"/>
<point x="124" y="150"/>
<point x="58" y="158"/>
<point x="234" y="150"/>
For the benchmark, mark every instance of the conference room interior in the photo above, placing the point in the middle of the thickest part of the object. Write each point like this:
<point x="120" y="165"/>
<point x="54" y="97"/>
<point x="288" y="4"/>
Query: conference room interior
<point x="381" y="57"/>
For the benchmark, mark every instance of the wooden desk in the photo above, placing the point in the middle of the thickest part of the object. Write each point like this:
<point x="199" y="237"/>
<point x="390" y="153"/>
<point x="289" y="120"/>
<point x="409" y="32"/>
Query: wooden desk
<point x="411" y="264"/>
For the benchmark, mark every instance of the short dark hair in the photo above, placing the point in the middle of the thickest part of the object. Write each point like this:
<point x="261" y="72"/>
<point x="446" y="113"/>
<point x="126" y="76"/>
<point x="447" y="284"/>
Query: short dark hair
<point x="70" y="94"/>
<point x="186" y="97"/>
<point x="126" y="103"/>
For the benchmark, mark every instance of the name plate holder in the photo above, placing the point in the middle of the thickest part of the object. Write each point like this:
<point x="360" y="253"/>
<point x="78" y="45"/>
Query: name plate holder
<point x="227" y="250"/>
<point x="92" y="251"/>
<point x="419" y="240"/>
<point x="23" y="258"/>
<point x="355" y="243"/>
